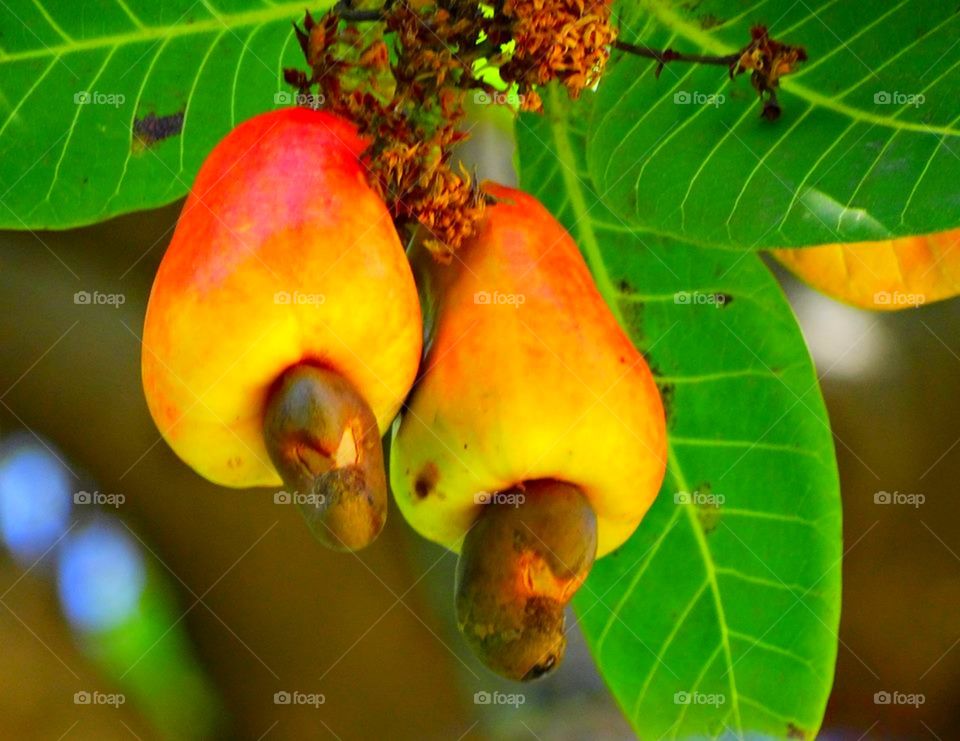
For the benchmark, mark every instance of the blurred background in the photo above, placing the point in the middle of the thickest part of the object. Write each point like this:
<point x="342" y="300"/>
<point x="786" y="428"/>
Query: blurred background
<point x="137" y="599"/>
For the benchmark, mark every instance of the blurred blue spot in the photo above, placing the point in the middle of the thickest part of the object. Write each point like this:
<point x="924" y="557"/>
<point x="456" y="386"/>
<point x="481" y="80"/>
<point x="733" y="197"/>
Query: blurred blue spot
<point x="34" y="501"/>
<point x="101" y="575"/>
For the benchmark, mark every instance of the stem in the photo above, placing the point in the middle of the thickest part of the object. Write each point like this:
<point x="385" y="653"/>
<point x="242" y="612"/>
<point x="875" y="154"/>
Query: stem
<point x="669" y="55"/>
<point x="324" y="441"/>
<point x="345" y="10"/>
<point x="521" y="563"/>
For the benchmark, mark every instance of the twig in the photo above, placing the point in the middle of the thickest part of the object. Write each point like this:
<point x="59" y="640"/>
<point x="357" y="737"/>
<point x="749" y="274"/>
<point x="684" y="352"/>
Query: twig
<point x="669" y="55"/>
<point x="345" y="10"/>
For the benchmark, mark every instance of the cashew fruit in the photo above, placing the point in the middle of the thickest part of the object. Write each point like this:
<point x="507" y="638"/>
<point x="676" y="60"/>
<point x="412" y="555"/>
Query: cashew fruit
<point x="884" y="276"/>
<point x="528" y="383"/>
<point x="285" y="273"/>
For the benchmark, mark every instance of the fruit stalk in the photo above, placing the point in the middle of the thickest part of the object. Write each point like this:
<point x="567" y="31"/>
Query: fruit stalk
<point x="324" y="441"/>
<point x="521" y="563"/>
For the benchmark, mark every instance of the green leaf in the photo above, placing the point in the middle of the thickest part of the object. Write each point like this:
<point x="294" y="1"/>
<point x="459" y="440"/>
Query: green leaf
<point x="187" y="71"/>
<point x="855" y="156"/>
<point x="729" y="591"/>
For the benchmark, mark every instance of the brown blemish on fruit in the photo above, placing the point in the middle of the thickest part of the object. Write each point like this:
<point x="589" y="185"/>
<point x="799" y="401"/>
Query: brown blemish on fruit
<point x="426" y="480"/>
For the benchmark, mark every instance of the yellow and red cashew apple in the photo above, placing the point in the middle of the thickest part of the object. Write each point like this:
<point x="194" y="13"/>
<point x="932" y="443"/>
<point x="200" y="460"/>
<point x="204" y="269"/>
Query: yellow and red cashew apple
<point x="889" y="275"/>
<point x="535" y="438"/>
<point x="284" y="330"/>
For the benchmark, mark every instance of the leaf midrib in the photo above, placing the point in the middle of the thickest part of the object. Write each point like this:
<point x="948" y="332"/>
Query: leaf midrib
<point x="673" y="21"/>
<point x="588" y="239"/>
<point x="281" y="11"/>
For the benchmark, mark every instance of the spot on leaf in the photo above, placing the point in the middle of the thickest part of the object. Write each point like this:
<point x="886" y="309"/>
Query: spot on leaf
<point x="633" y="319"/>
<point x="666" y="397"/>
<point x="708" y="507"/>
<point x="152" y="128"/>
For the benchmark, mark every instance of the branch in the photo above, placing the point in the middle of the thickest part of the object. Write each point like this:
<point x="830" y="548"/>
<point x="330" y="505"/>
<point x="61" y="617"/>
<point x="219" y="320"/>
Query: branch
<point x="669" y="55"/>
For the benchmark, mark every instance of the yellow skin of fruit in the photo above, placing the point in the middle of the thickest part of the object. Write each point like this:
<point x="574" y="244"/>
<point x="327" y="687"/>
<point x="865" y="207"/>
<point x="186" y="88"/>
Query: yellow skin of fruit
<point x="884" y="276"/>
<point x="549" y="389"/>
<point x="281" y="206"/>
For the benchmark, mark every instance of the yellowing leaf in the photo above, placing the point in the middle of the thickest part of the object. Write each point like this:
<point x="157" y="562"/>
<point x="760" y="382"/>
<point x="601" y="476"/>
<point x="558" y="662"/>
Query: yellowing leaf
<point x="886" y="276"/>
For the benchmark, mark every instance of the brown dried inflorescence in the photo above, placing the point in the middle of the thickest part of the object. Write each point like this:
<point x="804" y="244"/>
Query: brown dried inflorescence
<point x="411" y="107"/>
<point x="565" y="40"/>
<point x="768" y="60"/>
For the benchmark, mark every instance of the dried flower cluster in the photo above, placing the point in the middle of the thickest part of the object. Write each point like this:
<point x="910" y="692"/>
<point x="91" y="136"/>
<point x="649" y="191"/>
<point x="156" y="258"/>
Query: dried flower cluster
<point x="565" y="40"/>
<point x="768" y="60"/>
<point x="403" y="77"/>
<point x="403" y="81"/>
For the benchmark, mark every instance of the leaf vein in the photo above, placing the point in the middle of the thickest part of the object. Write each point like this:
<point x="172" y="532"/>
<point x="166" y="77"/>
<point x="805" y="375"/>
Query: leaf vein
<point x="73" y="126"/>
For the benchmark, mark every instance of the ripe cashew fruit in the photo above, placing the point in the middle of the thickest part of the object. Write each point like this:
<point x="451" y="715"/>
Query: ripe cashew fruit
<point x="283" y="330"/>
<point x="531" y="398"/>
<point x="884" y="276"/>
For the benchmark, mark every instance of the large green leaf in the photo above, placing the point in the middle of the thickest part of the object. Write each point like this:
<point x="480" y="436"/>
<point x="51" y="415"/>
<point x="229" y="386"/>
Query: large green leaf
<point x="855" y="156"/>
<point x="730" y="588"/>
<point x="148" y="70"/>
